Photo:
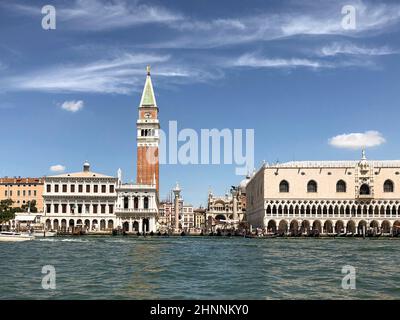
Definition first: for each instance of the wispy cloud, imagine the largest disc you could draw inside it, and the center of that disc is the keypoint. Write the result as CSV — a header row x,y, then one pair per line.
x,y
118,75
97,15
357,140
324,21
338,48
57,168
72,106
255,61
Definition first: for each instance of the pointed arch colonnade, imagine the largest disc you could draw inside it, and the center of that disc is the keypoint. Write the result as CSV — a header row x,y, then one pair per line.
x,y
325,217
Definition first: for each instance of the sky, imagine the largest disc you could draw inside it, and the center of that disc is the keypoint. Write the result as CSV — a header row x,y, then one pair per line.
x,y
310,87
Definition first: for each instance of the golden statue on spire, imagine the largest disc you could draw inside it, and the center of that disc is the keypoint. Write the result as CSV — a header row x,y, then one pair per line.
x,y
148,70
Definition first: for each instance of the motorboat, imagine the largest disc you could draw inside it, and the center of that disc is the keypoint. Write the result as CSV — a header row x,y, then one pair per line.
x,y
15,236
44,233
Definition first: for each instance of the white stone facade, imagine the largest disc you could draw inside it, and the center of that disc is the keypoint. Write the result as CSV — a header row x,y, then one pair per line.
x,y
85,199
326,196
98,203
137,207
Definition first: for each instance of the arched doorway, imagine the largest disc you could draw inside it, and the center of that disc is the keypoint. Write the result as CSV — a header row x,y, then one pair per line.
x,y
351,227
110,225
271,226
135,226
220,217
102,224
362,227
283,227
56,224
71,225
385,227
48,224
95,225
146,225
316,227
374,225
294,227
305,227
87,224
328,226
63,225
125,226
339,226
396,228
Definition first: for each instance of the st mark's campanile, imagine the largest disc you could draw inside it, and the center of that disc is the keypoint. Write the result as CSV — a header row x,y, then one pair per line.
x,y
148,136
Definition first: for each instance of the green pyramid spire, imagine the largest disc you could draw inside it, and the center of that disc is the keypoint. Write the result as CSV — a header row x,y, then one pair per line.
x,y
148,97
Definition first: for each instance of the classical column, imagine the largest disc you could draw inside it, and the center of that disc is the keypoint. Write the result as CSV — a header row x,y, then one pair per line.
x,y
140,224
234,196
177,192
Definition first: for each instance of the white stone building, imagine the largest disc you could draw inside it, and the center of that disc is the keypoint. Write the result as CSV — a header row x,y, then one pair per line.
x,y
136,207
82,199
326,197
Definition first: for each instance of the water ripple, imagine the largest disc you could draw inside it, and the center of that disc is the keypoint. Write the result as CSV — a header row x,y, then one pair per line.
x,y
200,268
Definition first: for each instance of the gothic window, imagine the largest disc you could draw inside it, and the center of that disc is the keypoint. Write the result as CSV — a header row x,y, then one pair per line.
x,y
146,203
126,202
364,189
388,186
341,186
136,202
311,186
284,186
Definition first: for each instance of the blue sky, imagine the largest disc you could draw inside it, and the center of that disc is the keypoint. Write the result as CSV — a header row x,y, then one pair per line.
x,y
287,69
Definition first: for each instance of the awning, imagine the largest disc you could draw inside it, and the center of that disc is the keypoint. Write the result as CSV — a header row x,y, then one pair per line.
x,y
25,218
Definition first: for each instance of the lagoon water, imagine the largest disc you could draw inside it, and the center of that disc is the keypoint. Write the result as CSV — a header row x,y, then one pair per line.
x,y
200,268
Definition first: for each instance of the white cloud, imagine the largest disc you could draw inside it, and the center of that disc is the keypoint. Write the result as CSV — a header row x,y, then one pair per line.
x,y
117,75
72,106
57,168
322,20
120,75
252,60
352,49
97,15
357,140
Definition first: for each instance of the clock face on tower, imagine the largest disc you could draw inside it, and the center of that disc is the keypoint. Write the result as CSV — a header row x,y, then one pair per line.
x,y
147,115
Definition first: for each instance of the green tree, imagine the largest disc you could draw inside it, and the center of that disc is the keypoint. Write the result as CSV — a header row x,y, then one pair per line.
x,y
32,204
7,212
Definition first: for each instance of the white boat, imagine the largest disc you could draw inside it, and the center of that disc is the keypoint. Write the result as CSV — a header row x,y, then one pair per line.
x,y
43,233
15,236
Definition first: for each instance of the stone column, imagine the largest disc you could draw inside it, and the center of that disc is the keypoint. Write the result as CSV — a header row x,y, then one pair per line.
x,y
177,192
140,225
234,195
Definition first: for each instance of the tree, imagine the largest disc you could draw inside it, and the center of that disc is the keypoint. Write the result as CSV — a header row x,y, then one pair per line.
x,y
7,212
32,204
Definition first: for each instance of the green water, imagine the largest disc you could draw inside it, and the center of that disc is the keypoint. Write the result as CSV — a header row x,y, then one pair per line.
x,y
200,268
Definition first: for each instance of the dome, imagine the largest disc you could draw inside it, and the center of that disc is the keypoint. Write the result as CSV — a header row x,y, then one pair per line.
x,y
86,166
243,184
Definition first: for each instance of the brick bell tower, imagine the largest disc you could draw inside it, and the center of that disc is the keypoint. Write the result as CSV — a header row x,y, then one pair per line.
x,y
148,136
